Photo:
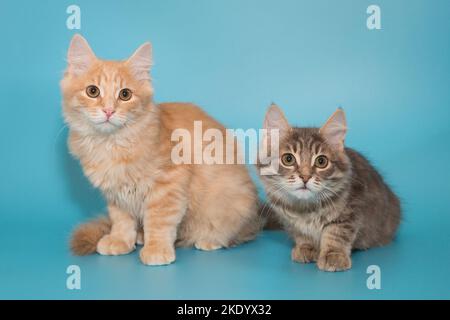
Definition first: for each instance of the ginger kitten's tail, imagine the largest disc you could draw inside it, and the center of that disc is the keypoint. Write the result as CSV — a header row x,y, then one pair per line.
x,y
86,236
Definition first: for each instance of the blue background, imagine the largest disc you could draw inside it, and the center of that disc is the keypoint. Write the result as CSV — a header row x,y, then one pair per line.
x,y
233,58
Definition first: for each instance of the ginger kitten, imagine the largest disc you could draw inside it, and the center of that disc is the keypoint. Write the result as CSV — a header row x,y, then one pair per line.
x,y
328,197
123,141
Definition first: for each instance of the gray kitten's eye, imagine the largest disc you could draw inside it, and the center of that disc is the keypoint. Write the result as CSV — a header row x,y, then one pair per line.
x,y
321,162
288,159
92,91
125,94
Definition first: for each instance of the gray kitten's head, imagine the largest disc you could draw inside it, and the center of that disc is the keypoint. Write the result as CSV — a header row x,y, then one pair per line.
x,y
313,166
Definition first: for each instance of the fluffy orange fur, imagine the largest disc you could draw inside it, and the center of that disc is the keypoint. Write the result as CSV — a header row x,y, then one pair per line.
x,y
150,199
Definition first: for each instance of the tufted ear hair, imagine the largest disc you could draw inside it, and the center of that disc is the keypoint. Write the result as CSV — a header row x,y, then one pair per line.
x,y
141,61
335,129
80,56
275,119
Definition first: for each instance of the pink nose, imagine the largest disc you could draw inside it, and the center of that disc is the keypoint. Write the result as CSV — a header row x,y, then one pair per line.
x,y
108,112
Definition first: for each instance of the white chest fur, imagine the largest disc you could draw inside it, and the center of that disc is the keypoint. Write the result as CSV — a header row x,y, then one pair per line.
x,y
124,177
309,224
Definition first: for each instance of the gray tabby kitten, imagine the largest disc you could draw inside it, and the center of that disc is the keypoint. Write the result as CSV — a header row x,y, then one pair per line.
x,y
328,197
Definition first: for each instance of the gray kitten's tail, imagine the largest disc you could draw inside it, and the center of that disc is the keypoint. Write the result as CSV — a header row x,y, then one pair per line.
x,y
86,236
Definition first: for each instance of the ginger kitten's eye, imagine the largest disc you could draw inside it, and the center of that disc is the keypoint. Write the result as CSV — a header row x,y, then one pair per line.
x,y
288,159
321,162
125,94
92,91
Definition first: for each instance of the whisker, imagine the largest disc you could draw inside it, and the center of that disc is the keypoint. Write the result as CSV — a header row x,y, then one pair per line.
x,y
58,134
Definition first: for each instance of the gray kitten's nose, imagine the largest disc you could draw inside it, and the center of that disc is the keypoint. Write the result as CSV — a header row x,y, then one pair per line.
x,y
305,178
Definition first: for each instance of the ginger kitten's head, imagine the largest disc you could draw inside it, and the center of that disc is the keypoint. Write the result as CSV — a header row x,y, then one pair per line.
x,y
102,97
313,166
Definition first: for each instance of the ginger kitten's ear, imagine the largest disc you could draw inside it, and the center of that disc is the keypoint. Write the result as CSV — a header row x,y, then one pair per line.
x,y
334,130
79,56
141,61
275,119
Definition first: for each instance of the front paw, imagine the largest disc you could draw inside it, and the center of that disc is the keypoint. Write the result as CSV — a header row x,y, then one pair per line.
x,y
304,253
157,255
334,261
112,246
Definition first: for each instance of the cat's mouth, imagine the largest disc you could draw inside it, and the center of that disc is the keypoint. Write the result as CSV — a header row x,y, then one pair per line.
x,y
303,193
106,126
106,123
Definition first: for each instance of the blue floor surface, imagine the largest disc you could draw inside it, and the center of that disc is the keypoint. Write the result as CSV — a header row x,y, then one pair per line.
x,y
34,267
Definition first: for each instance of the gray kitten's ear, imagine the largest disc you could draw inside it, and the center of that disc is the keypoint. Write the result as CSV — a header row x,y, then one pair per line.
x,y
334,130
80,56
275,119
141,61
